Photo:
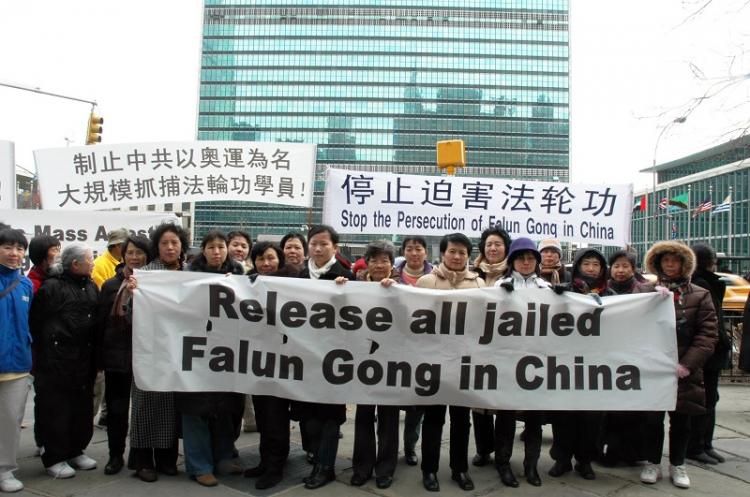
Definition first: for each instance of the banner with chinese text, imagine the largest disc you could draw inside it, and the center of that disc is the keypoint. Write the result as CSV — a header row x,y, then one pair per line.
x,y
122,175
361,343
386,203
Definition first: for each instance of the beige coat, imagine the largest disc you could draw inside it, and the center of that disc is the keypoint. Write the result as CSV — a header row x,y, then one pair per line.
x,y
442,278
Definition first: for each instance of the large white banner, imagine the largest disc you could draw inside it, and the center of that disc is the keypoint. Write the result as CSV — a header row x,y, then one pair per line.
x,y
386,203
88,228
362,343
7,175
121,175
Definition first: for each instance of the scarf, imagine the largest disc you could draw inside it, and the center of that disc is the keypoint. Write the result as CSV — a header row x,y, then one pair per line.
x,y
553,271
121,309
315,271
624,287
412,273
678,286
588,284
491,271
453,277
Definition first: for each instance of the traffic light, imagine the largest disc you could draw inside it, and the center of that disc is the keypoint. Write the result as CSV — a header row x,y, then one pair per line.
x,y
94,133
450,155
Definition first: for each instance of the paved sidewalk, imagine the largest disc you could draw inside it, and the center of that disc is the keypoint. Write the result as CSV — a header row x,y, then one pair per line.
x,y
731,479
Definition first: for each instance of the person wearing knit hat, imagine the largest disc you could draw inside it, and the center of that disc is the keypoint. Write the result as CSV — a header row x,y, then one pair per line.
x,y
551,267
523,266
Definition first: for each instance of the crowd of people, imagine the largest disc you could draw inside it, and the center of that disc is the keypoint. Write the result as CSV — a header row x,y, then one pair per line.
x,y
70,321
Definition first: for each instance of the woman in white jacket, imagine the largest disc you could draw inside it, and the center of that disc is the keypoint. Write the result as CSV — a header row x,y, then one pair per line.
x,y
523,263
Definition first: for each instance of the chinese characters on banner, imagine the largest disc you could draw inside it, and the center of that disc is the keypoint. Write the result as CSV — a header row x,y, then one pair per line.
x,y
121,175
382,203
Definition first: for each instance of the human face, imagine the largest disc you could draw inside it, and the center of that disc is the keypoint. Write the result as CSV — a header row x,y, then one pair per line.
x,y
455,256
321,248
267,262
550,257
53,255
494,249
671,266
170,247
215,252
591,267
134,257
415,255
294,252
524,263
379,267
621,270
11,255
238,248
85,266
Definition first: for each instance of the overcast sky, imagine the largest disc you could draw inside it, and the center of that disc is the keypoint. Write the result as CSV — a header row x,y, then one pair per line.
x,y
633,71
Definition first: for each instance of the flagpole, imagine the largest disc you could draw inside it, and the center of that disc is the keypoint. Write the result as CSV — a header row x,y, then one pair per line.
x,y
667,218
729,249
710,213
690,187
645,227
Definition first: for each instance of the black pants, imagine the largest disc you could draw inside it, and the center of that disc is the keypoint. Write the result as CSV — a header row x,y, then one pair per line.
x,y
702,425
366,457
575,434
272,419
484,429
117,397
65,421
505,432
412,427
679,436
152,458
432,434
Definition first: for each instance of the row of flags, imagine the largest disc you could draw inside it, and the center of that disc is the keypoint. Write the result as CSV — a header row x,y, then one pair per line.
x,y
680,203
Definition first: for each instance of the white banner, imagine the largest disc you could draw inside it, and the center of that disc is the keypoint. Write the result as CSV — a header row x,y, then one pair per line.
x,y
386,203
89,228
362,343
7,175
122,175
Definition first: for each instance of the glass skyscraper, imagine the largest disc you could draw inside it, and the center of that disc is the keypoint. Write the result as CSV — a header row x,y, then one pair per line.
x,y
376,83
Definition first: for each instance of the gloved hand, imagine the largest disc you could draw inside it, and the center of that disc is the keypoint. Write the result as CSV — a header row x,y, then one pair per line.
x,y
508,285
662,290
559,289
253,277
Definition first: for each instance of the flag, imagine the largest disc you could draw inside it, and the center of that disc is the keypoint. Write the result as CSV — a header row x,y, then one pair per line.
x,y
704,206
680,202
640,205
724,206
663,203
674,231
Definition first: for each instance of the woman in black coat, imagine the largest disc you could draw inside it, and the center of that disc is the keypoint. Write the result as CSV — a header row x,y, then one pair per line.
x,y
208,427
115,346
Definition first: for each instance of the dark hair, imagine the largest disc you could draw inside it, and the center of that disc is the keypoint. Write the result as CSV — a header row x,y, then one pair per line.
x,y
458,238
39,246
261,247
213,235
142,243
705,256
236,234
294,234
414,239
494,230
630,256
4,226
159,232
380,247
13,236
323,228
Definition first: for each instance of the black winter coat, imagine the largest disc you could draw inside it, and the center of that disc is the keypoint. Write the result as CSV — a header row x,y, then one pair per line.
x,y
211,404
63,324
711,282
115,335
311,410
744,359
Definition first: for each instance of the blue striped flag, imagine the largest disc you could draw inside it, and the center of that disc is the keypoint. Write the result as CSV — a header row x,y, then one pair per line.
x,y
724,206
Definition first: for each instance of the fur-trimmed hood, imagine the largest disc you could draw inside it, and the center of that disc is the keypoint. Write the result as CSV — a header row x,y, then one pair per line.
x,y
659,249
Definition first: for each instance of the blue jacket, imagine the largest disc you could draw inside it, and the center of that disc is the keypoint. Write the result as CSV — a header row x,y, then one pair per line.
x,y
15,338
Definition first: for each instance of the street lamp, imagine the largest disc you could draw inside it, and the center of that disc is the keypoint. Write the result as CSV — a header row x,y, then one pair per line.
x,y
678,120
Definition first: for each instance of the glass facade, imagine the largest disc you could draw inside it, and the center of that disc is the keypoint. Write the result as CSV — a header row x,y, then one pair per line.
x,y
711,174
375,84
